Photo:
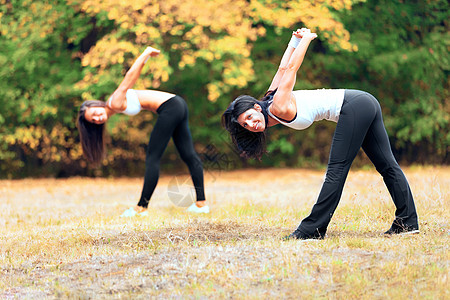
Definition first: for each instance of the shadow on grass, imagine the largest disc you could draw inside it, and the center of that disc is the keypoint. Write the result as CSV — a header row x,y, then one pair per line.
x,y
347,234
193,233
202,232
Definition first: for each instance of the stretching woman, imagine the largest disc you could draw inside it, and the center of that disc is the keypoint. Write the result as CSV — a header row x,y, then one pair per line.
x,y
172,122
359,124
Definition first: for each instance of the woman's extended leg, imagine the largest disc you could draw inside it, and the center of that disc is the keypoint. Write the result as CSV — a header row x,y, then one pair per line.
x,y
377,147
185,146
169,116
357,114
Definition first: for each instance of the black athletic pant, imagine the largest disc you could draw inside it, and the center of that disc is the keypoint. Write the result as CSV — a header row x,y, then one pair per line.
x,y
360,125
172,122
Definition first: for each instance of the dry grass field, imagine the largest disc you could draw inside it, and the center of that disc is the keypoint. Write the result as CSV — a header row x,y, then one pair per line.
x,y
65,239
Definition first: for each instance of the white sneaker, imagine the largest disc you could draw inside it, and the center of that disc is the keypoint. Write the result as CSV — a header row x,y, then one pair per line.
x,y
143,213
194,208
129,213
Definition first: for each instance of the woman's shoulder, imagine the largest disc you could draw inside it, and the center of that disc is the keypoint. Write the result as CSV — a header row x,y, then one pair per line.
x,y
117,101
111,104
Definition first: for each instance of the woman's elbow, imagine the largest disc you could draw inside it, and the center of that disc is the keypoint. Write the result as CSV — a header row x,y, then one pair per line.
x,y
292,67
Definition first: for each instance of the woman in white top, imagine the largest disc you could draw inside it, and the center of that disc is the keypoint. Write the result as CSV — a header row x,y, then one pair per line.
x,y
172,122
359,124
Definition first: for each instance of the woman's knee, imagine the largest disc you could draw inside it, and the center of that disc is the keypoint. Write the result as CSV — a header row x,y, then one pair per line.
x,y
387,167
334,173
191,158
152,159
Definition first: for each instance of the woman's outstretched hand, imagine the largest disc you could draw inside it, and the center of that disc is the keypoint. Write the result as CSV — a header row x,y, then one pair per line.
x,y
152,51
305,33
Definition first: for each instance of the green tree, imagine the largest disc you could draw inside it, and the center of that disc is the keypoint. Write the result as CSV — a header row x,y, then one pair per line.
x,y
404,60
55,54
207,51
39,42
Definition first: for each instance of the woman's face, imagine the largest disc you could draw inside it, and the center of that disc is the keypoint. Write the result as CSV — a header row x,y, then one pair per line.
x,y
96,115
253,119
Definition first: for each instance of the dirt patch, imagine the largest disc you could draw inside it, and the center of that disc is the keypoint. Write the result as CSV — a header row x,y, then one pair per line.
x,y
57,243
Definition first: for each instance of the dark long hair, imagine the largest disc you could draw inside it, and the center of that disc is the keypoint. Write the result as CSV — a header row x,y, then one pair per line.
x,y
92,136
249,144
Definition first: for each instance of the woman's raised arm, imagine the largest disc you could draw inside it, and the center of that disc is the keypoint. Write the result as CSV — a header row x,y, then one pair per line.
x,y
293,43
118,100
283,105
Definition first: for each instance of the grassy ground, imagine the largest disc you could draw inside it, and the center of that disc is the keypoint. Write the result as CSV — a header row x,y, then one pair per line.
x,y
64,239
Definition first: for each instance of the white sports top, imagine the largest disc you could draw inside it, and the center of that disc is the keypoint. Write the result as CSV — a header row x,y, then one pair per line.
x,y
315,105
133,104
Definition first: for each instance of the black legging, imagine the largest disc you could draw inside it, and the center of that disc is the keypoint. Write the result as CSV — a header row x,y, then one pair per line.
x,y
360,125
172,122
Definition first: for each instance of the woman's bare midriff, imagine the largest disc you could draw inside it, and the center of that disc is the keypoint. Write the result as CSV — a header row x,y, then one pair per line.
x,y
152,100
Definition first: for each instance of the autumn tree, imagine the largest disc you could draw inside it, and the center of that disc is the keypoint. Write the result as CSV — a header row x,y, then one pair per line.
x,y
38,71
56,54
206,45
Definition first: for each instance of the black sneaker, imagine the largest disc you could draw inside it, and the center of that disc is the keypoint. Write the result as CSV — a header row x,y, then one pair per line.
x,y
402,229
298,235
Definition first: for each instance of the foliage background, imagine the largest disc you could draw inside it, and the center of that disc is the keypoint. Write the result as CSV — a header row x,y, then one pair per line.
x,y
55,54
